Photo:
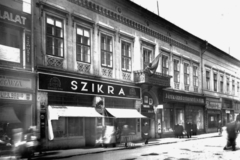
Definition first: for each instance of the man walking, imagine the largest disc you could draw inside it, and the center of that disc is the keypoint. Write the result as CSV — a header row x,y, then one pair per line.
x,y
145,132
232,129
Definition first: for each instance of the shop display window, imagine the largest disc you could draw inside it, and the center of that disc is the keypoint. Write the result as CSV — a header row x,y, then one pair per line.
x,y
168,122
127,126
212,121
67,127
180,117
195,116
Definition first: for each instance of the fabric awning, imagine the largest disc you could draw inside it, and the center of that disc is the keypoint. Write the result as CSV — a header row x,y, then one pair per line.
x,y
7,115
124,113
55,112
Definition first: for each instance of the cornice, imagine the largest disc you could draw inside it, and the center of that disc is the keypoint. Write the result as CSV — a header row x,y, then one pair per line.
x,y
130,23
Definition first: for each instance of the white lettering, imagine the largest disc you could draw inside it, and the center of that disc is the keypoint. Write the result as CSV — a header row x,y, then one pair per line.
x,y
100,88
23,20
74,84
6,16
121,92
18,19
84,86
110,89
13,18
93,87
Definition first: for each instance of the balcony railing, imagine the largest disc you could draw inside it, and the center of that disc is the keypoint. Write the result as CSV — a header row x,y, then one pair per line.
x,y
145,77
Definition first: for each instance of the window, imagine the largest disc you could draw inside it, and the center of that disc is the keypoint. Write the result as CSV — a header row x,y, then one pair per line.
x,y
208,80
10,44
233,86
147,57
126,56
215,81
176,70
237,86
228,85
83,45
195,76
67,127
164,64
106,50
168,123
54,42
186,73
221,83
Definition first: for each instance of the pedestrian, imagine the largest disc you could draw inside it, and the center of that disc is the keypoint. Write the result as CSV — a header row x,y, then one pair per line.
x,y
145,132
189,129
220,127
232,128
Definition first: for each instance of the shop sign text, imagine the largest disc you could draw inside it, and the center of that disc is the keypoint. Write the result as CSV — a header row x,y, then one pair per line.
x,y
15,96
213,105
6,81
84,86
183,98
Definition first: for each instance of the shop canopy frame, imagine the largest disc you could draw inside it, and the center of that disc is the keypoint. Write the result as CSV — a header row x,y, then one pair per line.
x,y
122,113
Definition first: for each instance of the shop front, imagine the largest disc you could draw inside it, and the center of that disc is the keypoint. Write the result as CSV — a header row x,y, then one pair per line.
x,y
227,111
236,105
16,103
179,109
213,114
78,111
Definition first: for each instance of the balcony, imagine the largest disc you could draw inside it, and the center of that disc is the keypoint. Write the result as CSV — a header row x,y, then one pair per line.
x,y
158,79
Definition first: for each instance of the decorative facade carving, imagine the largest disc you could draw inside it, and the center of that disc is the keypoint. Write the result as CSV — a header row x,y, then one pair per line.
x,y
54,62
107,72
176,85
126,76
84,68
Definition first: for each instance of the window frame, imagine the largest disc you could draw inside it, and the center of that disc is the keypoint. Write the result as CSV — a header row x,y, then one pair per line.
x,y
208,79
195,76
165,68
221,81
103,34
150,56
55,17
215,79
123,41
233,86
228,84
90,42
186,73
176,80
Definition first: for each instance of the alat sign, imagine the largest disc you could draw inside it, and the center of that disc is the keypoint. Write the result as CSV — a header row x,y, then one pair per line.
x,y
15,17
57,83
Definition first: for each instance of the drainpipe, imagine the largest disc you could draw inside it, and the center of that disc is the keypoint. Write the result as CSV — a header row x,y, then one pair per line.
x,y
203,50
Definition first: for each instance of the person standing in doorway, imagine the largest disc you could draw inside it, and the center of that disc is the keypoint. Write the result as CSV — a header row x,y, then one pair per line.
x,y
145,132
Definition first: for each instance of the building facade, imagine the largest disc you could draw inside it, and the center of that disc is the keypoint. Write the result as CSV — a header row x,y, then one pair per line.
x,y
17,77
100,63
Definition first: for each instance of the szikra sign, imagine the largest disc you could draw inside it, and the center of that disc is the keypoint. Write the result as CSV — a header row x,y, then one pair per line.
x,y
65,84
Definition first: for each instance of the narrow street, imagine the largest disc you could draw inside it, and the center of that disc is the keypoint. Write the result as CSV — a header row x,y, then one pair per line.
x,y
203,149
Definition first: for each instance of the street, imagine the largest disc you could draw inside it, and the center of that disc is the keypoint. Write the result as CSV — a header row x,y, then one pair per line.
x,y
203,149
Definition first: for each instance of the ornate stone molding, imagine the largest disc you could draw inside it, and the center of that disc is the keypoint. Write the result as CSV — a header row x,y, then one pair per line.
x,y
128,22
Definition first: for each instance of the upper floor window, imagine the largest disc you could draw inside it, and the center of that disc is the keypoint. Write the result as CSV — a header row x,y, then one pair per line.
x,y
208,79
233,86
126,56
83,52
195,76
186,73
228,89
237,86
106,50
147,57
10,44
176,67
215,81
221,83
54,35
165,64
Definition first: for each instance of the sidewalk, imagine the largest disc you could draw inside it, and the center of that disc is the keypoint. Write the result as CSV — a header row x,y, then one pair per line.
x,y
58,154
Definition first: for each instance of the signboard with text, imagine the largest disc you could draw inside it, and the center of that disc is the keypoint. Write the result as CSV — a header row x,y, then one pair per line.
x,y
58,83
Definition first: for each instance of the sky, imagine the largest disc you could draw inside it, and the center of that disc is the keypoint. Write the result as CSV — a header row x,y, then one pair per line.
x,y
216,21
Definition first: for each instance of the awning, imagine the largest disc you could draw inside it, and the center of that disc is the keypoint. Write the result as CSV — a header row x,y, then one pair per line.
x,y
7,115
124,113
55,112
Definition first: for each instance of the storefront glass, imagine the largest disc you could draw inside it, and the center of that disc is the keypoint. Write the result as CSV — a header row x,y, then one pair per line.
x,y
168,122
67,127
195,115
212,120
